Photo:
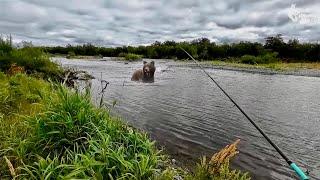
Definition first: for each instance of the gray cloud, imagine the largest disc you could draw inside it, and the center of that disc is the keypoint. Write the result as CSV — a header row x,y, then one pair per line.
x,y
136,22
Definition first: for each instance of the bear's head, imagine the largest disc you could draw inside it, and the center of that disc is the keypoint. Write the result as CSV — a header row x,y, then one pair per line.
x,y
148,70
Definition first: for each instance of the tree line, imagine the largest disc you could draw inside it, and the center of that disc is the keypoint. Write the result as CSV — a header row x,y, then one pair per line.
x,y
203,49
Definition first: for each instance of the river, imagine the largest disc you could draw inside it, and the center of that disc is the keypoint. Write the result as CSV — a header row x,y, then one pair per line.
x,y
188,115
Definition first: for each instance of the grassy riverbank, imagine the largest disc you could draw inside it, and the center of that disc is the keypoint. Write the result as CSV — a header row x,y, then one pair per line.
x,y
278,66
295,69
275,65
50,131
82,57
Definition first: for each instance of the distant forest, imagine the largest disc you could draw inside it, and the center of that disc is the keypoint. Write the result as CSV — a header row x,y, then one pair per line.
x,y
203,49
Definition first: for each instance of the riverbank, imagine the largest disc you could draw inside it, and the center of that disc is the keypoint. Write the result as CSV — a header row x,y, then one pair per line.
x,y
50,131
125,57
296,69
311,69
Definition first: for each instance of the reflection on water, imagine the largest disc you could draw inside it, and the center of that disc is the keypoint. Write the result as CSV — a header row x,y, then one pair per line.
x,y
190,116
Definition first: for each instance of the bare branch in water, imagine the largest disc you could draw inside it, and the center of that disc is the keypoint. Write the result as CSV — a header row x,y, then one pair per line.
x,y
104,85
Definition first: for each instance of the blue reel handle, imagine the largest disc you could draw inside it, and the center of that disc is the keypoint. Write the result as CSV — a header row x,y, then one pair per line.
x,y
299,171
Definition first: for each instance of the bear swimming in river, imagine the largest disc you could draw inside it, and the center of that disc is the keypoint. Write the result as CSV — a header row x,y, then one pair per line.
x,y
146,74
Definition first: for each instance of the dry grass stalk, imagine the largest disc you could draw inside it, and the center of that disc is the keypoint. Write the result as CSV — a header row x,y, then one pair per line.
x,y
15,69
11,168
223,156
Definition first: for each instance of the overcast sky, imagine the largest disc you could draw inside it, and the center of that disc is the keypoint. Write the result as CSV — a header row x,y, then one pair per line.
x,y
136,22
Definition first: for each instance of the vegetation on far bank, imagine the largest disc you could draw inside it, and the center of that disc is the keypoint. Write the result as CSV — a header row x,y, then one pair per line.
x,y
72,55
131,56
49,131
202,49
276,65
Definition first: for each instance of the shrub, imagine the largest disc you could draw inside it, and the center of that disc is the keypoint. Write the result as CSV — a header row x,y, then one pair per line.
x,y
70,55
122,54
32,59
5,46
133,57
262,59
248,59
268,58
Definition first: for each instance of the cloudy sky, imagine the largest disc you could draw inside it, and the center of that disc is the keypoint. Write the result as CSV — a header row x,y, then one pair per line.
x,y
136,22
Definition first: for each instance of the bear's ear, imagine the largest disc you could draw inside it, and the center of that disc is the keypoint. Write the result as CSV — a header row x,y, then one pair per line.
x,y
144,62
152,62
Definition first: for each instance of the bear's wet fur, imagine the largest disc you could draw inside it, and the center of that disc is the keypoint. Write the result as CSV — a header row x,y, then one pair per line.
x,y
146,74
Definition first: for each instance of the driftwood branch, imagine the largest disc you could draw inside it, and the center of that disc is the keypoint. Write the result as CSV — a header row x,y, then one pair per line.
x,y
66,78
104,85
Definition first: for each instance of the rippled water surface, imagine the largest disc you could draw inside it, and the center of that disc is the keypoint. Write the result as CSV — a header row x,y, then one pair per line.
x,y
190,116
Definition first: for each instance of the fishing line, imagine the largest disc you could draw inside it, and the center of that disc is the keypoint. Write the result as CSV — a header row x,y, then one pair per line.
x,y
299,172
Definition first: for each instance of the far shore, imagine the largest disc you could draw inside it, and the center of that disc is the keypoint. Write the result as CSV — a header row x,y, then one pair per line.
x,y
296,69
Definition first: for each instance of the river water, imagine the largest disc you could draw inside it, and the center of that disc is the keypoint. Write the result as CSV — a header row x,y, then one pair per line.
x,y
188,115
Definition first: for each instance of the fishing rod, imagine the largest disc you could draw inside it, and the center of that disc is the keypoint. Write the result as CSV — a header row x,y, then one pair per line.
x,y
298,171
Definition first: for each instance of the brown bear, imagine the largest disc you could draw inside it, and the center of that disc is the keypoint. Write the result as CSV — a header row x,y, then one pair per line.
x,y
146,74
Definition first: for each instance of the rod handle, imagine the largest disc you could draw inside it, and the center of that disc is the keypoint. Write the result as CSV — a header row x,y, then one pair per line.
x,y
299,171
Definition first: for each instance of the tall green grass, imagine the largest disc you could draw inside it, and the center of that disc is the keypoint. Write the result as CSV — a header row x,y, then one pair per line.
x,y
68,137
20,96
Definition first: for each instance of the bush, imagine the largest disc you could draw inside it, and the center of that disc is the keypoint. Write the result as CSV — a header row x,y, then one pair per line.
x,y
122,54
70,55
5,46
262,59
32,59
248,59
133,57
268,58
